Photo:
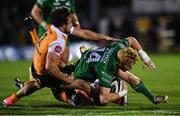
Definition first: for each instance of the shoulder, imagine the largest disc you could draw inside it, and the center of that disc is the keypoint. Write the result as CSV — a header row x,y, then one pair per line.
x,y
41,3
123,42
57,47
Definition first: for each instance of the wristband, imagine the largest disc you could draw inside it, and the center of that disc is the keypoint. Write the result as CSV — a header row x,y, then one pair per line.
x,y
43,23
144,55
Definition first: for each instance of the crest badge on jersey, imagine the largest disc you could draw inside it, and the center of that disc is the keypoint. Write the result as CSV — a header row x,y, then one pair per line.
x,y
58,49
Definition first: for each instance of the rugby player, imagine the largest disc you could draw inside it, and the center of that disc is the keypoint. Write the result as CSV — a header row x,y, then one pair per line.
x,y
114,60
43,8
52,45
75,97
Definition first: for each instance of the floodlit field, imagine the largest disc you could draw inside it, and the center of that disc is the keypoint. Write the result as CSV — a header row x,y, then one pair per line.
x,y
164,80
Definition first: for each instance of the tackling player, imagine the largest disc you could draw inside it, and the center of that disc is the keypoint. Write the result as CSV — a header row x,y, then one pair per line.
x,y
41,13
45,66
113,60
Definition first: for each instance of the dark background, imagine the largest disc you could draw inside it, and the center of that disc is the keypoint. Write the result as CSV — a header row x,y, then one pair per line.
x,y
155,23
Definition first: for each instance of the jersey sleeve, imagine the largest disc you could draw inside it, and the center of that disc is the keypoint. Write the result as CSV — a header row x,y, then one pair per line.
x,y
56,47
124,42
41,3
72,9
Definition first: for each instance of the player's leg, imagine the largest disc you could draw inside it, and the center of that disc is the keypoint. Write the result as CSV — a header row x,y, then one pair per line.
x,y
19,83
67,69
105,83
138,85
28,88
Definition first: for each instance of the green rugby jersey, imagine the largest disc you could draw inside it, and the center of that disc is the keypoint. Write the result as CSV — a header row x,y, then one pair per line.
x,y
100,64
106,58
101,59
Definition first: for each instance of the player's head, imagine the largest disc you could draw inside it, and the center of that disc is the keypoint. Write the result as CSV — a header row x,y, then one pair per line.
x,y
61,17
127,58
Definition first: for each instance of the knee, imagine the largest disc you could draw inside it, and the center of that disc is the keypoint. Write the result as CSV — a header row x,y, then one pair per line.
x,y
30,87
36,84
131,38
134,81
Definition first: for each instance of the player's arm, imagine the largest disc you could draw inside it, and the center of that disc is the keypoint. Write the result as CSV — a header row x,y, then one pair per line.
x,y
53,59
36,14
52,68
128,77
90,35
75,20
105,96
144,56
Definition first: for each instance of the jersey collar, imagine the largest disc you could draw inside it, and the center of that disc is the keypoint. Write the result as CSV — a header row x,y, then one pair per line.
x,y
59,33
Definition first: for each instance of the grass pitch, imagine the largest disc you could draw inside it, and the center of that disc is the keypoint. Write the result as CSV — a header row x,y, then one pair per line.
x,y
164,80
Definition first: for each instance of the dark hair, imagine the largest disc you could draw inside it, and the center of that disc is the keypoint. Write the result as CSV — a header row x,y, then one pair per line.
x,y
59,16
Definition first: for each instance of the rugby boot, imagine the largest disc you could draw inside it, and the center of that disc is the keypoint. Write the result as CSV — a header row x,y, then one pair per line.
x,y
160,99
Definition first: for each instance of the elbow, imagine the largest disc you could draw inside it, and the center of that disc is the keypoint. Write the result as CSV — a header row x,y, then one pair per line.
x,y
103,100
32,12
131,38
48,67
134,43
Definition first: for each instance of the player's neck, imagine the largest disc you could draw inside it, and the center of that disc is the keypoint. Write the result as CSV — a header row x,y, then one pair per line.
x,y
62,29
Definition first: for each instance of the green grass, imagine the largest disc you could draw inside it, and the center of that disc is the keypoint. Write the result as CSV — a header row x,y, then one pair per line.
x,y
164,80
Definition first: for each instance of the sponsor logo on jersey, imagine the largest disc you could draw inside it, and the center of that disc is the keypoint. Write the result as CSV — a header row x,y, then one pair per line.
x,y
58,49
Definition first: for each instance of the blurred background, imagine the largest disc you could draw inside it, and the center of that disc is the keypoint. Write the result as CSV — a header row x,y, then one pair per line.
x,y
155,24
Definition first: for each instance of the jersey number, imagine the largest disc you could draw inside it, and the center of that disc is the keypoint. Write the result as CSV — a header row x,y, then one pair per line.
x,y
94,57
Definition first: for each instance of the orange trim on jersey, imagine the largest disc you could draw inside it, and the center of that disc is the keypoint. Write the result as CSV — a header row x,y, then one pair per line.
x,y
40,60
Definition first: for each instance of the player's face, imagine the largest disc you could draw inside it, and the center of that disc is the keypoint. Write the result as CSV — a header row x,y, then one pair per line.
x,y
68,25
127,65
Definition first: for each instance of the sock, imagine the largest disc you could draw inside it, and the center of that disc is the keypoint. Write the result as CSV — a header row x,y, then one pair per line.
x,y
13,97
142,89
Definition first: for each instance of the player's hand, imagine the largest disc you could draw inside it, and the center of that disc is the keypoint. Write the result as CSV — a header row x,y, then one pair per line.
x,y
150,64
69,79
112,39
82,49
46,27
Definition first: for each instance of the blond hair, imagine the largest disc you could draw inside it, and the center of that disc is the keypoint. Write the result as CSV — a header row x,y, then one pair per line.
x,y
127,55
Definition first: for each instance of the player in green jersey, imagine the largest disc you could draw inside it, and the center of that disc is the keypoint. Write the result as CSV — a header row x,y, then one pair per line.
x,y
43,8
114,60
